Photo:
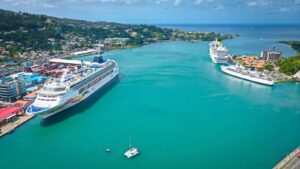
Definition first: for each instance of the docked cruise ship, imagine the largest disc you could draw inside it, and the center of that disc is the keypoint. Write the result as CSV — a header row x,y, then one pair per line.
x,y
243,73
73,86
218,53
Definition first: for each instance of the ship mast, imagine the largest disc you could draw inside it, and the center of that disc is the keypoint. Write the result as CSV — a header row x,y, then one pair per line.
x,y
130,142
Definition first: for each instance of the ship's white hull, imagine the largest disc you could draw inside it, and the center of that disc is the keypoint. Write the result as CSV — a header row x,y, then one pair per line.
x,y
65,105
246,77
218,59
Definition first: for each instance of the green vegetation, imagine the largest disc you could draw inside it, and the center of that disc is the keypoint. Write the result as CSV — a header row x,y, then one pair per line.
x,y
269,67
24,32
294,44
290,65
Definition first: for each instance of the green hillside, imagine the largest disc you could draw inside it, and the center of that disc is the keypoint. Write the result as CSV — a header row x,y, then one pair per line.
x,y
23,32
290,65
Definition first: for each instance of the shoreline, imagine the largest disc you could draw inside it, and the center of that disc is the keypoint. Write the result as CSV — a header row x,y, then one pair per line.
x,y
287,160
11,126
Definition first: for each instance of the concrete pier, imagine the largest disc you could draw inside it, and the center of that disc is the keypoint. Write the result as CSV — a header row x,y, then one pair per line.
x,y
291,161
11,126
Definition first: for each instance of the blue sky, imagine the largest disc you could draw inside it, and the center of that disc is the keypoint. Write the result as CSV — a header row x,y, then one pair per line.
x,y
165,11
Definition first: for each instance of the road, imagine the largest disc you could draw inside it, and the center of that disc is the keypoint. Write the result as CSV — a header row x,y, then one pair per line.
x,y
294,164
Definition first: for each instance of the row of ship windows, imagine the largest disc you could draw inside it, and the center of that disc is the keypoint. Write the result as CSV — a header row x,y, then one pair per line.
x,y
46,99
58,89
47,96
83,83
94,82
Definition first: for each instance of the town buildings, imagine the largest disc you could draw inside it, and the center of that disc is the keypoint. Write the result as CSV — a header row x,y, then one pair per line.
x,y
11,89
270,55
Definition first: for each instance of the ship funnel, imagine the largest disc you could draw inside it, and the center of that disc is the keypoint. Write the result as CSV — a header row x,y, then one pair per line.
x,y
98,59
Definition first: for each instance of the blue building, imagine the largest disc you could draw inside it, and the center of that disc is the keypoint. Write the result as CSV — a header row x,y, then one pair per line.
x,y
31,79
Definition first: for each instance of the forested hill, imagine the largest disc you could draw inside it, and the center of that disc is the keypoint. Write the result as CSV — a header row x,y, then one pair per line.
x,y
290,65
25,32
33,31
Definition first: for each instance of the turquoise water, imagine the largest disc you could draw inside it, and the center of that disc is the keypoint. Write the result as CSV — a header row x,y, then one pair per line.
x,y
179,108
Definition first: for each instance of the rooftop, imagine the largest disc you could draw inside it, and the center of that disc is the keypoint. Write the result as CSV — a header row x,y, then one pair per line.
x,y
8,111
31,95
65,61
22,103
84,52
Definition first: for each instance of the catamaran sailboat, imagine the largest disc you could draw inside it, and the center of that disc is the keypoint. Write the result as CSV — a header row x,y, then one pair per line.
x,y
133,151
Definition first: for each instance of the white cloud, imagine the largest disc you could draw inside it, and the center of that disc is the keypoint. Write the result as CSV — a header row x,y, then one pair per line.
x,y
177,2
198,2
260,2
33,3
219,7
275,5
284,9
251,3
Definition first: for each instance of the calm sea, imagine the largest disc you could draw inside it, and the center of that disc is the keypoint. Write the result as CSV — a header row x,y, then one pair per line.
x,y
179,108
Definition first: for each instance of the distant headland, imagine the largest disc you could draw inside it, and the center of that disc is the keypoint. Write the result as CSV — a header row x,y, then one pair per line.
x,y
21,33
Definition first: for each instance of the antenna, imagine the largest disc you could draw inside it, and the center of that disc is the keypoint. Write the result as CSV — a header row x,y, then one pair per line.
x,y
99,48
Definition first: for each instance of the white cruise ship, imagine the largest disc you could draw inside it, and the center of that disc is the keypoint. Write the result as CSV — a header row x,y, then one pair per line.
x,y
75,85
218,53
243,73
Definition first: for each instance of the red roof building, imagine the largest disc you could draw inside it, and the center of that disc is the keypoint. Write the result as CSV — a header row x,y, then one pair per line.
x,y
9,111
30,96
22,103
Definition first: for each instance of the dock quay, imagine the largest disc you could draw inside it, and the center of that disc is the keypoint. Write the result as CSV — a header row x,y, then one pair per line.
x,y
11,126
291,161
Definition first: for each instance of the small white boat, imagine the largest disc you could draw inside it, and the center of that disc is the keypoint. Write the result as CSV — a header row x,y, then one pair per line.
x,y
133,151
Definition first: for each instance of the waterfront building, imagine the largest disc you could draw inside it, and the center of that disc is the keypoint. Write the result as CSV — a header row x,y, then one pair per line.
x,y
30,96
31,79
116,41
11,89
270,55
23,104
84,53
251,61
8,114
32,89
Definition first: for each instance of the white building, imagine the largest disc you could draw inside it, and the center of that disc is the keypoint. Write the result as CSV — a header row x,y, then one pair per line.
x,y
270,55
